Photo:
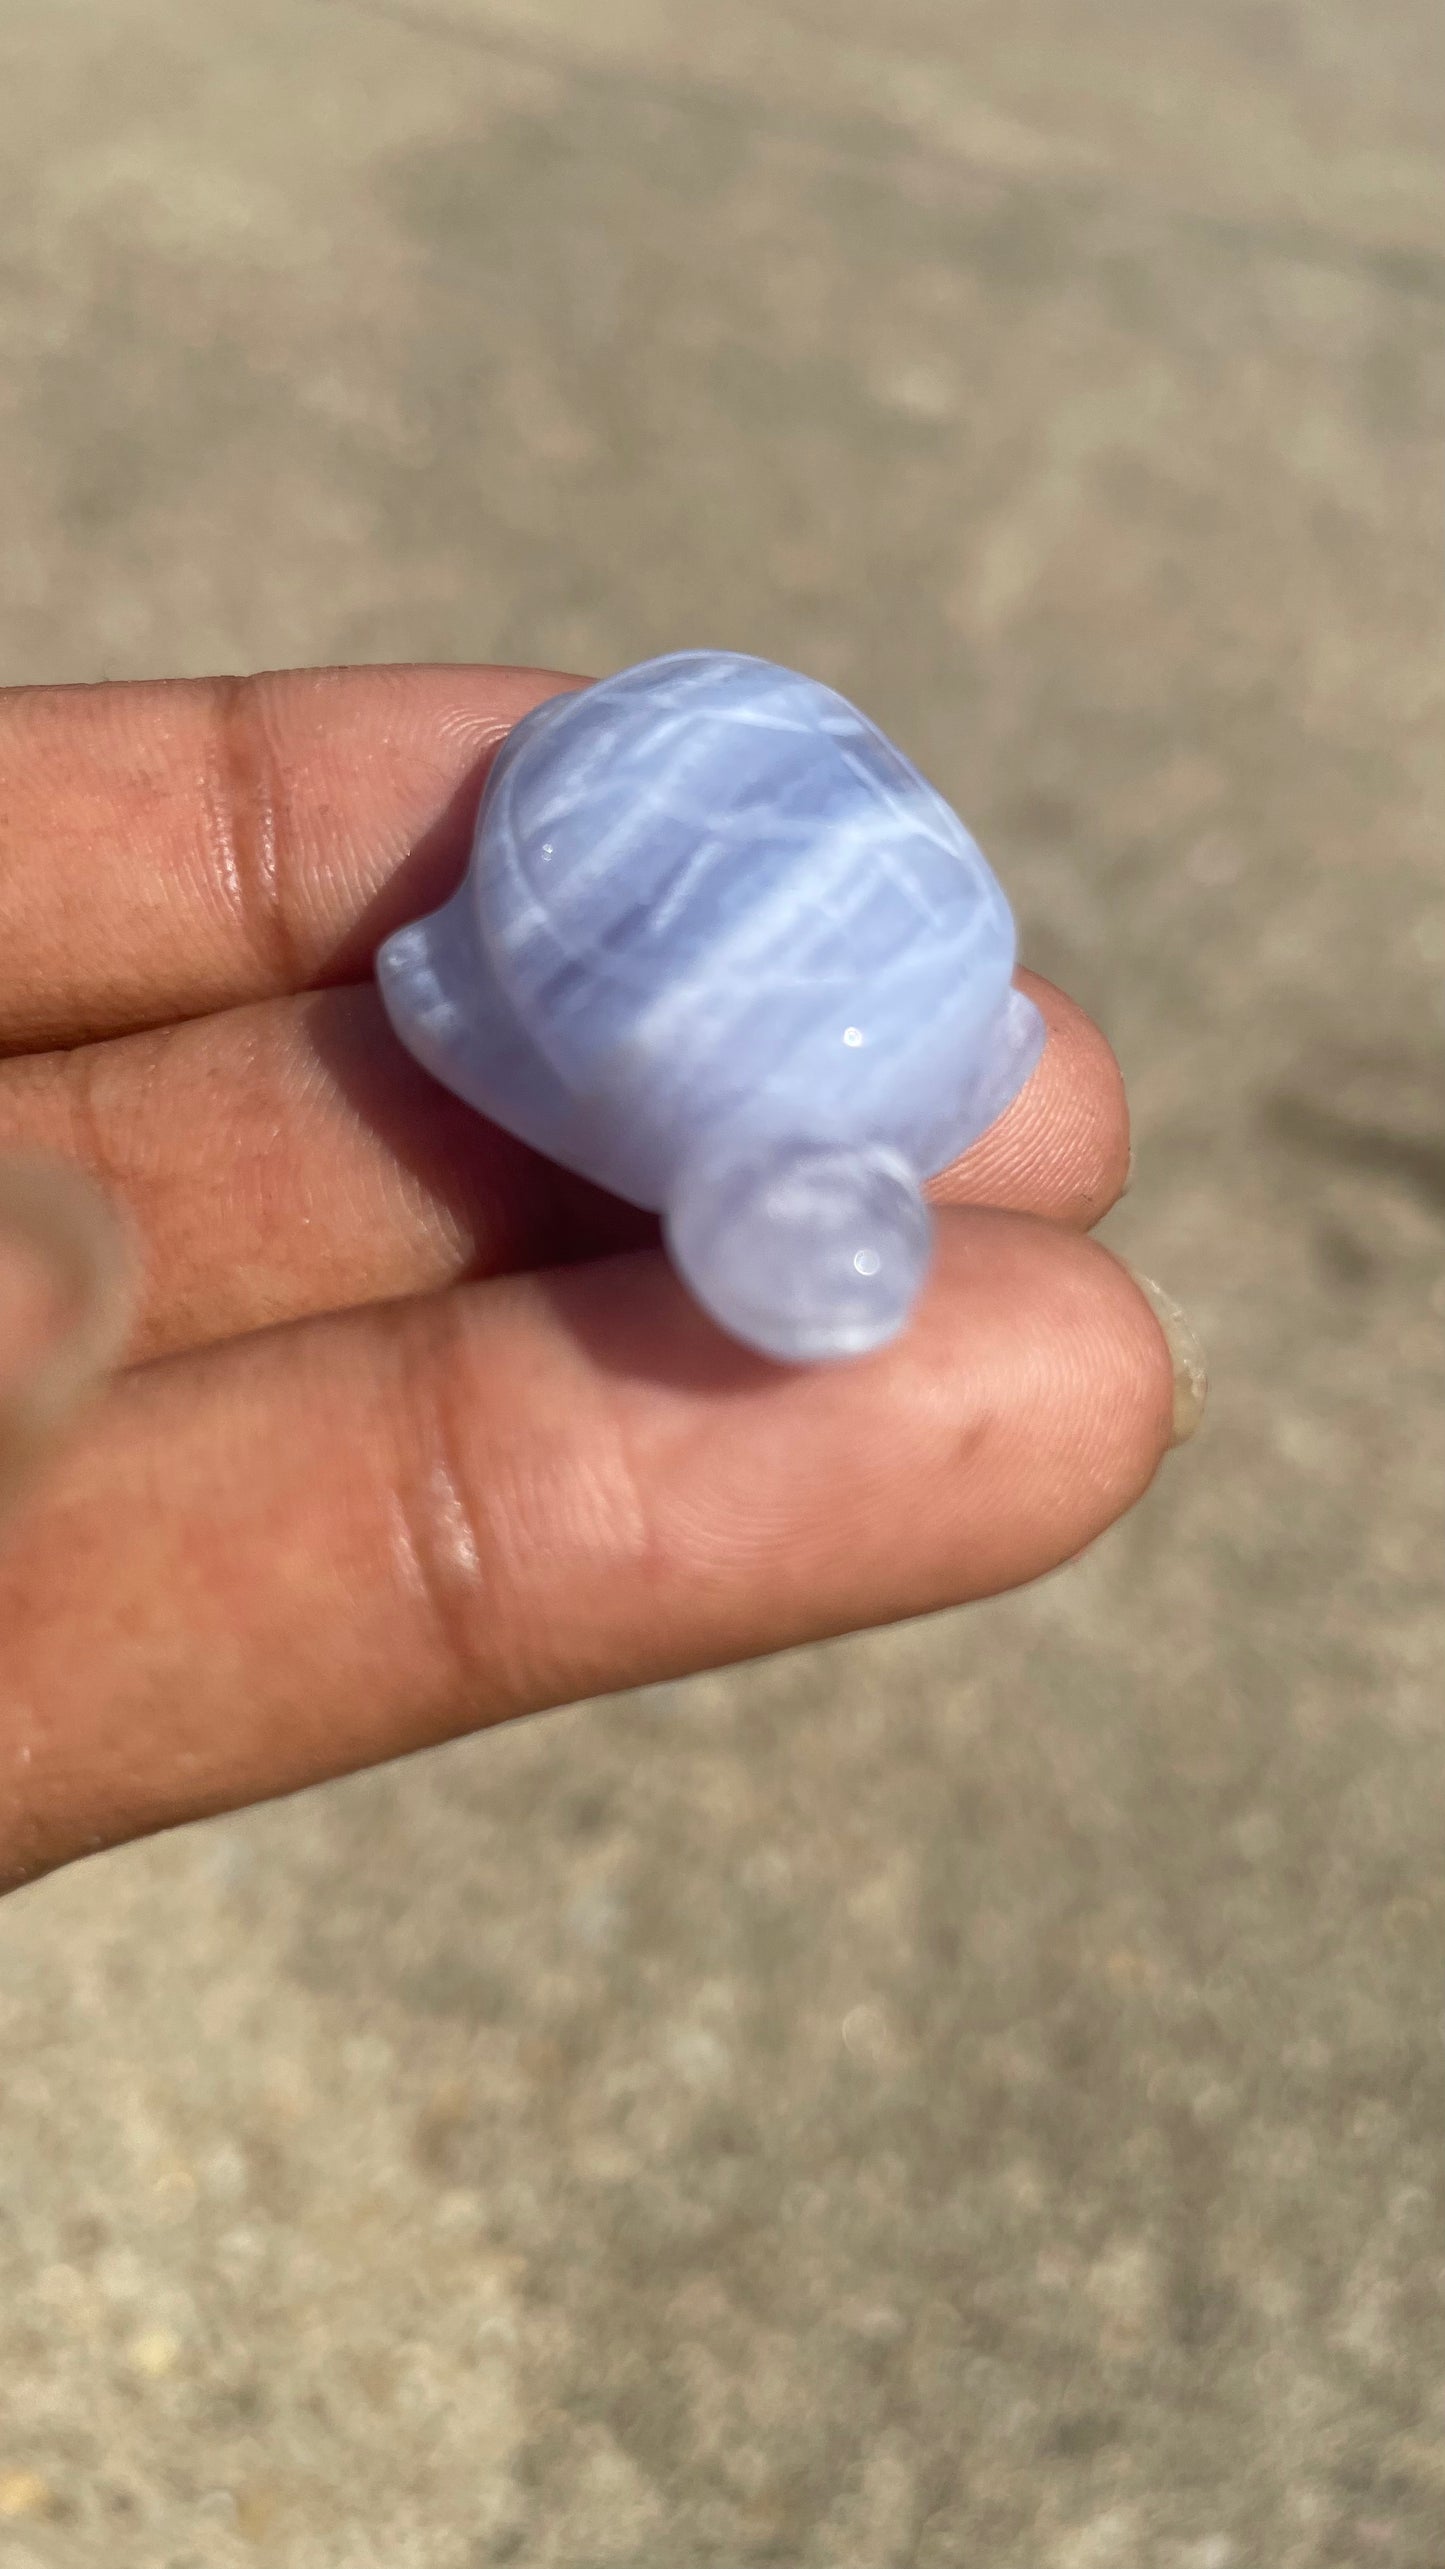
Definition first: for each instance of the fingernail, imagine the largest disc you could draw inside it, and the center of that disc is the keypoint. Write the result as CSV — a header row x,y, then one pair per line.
x,y
1129,1167
65,1303
1186,1354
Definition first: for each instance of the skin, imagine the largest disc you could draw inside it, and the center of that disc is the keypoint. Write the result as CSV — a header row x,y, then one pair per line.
x,y
416,1433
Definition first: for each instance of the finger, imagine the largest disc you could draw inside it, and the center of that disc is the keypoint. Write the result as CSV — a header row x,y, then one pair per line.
x,y
65,1296
1062,1148
173,848
325,1546
290,1158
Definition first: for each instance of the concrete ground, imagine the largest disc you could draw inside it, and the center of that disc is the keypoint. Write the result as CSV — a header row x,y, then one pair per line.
x,y
972,2098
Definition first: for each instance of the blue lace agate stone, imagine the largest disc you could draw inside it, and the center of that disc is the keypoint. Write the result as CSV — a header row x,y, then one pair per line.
x,y
722,949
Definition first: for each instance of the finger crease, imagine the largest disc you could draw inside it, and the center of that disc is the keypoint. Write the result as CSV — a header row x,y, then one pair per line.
x,y
92,1139
437,1528
243,812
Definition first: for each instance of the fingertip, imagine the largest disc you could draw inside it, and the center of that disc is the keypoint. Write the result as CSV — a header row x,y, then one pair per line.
x,y
1086,1395
1061,1151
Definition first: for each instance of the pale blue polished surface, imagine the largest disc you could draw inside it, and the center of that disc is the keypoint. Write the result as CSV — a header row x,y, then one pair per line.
x,y
721,948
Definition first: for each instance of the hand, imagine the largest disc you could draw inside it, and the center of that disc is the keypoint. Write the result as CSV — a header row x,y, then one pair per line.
x,y
418,1432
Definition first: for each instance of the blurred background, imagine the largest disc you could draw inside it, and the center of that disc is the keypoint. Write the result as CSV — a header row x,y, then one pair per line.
x,y
974,2097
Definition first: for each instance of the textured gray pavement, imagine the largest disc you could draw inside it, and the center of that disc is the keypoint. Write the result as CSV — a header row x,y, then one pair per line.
x,y
974,2097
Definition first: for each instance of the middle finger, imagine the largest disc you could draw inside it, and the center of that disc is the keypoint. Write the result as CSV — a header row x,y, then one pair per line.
x,y
290,1158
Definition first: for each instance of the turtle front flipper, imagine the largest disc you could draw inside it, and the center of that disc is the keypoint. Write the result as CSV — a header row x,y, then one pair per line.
x,y
450,1010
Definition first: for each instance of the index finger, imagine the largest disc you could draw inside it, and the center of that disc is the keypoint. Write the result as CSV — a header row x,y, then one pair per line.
x,y
171,848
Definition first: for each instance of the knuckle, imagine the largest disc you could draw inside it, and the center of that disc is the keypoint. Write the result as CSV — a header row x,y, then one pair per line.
x,y
524,1523
245,823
